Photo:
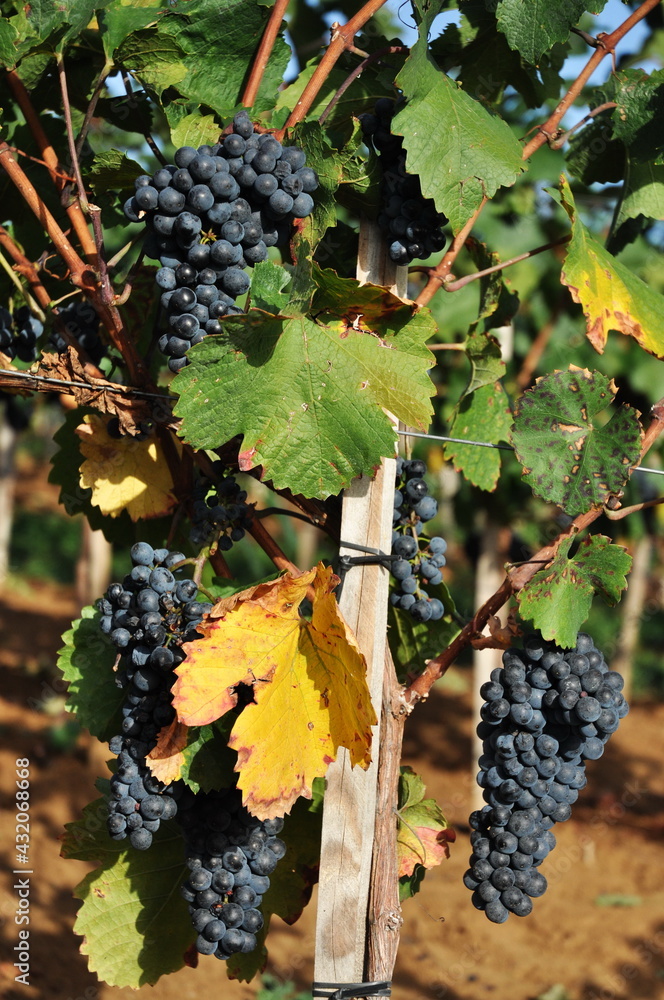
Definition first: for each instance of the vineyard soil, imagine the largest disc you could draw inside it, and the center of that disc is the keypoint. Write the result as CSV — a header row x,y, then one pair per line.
x,y
613,846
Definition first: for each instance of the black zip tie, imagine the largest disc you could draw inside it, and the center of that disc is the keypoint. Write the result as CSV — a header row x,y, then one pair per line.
x,y
342,991
376,557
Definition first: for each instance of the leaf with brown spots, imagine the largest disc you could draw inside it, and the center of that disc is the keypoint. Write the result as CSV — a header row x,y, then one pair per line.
x,y
423,836
557,599
612,296
570,455
309,686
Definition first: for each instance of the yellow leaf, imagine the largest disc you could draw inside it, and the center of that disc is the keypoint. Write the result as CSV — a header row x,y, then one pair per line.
x,y
166,759
124,473
309,686
612,296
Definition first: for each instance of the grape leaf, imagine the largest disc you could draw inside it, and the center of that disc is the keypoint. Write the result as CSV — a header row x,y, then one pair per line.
x,y
309,685
474,152
195,130
612,296
202,29
155,58
113,169
533,26
569,458
124,473
557,599
8,39
134,923
423,835
642,195
637,120
482,415
309,394
120,19
86,661
200,757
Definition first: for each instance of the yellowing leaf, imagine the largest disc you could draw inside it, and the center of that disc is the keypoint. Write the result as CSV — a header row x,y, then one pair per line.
x,y
612,296
124,473
423,835
309,686
166,759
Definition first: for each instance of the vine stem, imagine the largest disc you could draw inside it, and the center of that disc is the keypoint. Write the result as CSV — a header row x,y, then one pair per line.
x,y
264,52
545,133
358,72
342,39
516,578
455,284
66,107
260,534
52,163
35,309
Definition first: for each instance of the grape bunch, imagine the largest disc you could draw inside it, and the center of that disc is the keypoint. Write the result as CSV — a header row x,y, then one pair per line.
x,y
418,556
210,216
82,323
147,617
19,333
230,855
219,509
547,711
410,221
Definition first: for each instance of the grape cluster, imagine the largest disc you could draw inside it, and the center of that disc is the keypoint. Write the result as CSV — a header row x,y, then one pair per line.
x,y
410,221
82,323
547,712
219,509
418,556
147,617
19,333
230,855
212,214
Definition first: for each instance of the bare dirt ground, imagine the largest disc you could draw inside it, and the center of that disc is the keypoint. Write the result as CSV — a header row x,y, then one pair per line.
x,y
613,845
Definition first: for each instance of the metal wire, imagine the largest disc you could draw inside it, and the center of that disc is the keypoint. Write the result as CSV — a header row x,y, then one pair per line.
x,y
500,447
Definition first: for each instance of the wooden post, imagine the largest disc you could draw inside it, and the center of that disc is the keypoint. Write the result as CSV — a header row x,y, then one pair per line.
x,y
350,797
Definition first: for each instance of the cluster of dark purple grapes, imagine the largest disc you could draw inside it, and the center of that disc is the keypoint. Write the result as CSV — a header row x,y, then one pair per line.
x,y
230,855
219,509
211,215
547,712
82,323
147,617
19,333
411,222
418,556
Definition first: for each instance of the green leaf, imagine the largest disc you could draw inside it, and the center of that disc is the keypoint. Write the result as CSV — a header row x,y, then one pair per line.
x,y
570,458
594,156
113,169
533,26
642,197
8,39
208,760
269,287
134,923
155,57
475,152
86,662
498,304
218,40
413,643
482,415
637,120
121,19
308,395
196,130
612,296
558,599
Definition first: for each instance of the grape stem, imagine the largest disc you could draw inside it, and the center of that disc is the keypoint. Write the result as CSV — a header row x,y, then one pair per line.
x,y
262,58
52,163
356,73
516,578
75,165
546,133
341,40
